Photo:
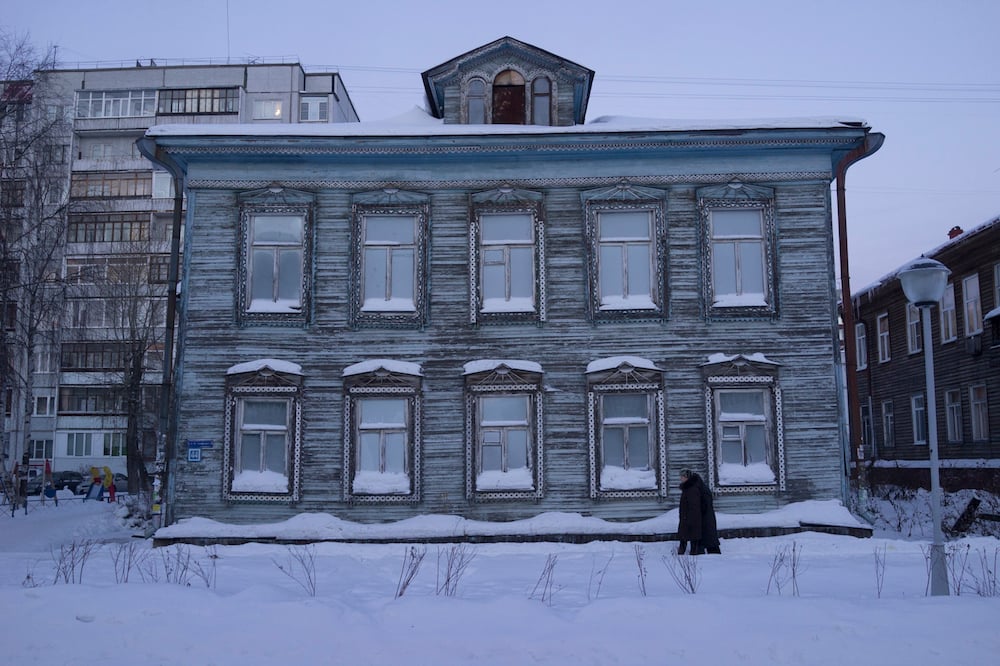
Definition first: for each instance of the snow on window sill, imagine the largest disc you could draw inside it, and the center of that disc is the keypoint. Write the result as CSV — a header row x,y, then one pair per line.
x,y
732,474
286,306
515,479
391,305
618,478
381,483
260,482
739,301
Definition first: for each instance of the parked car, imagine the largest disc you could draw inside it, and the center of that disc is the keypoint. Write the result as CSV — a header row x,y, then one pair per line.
x,y
119,479
67,479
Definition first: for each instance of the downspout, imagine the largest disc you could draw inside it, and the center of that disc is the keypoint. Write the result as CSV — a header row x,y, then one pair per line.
x,y
871,143
163,484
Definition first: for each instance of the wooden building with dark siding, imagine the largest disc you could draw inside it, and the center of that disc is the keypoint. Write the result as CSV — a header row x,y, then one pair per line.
x,y
497,319
965,328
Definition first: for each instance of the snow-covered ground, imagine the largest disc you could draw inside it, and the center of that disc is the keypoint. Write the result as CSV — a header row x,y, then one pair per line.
x,y
801,599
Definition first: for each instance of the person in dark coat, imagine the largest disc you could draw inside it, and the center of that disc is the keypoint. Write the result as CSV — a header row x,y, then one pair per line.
x,y
689,527
709,530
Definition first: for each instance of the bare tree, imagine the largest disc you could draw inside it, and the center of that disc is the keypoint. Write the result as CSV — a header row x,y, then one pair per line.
x,y
34,152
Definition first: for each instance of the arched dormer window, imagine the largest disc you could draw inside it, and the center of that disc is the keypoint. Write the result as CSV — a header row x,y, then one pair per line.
x,y
476,102
541,101
508,98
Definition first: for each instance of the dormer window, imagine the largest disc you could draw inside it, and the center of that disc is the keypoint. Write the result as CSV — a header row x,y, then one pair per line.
x,y
541,101
476,100
508,98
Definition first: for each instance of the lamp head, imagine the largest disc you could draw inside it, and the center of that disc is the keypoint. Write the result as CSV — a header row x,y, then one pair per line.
x,y
923,281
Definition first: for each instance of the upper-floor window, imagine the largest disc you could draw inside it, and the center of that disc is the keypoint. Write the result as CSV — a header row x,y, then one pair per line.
x,y
382,443
199,101
475,102
918,414
888,425
89,400
114,444
389,263
949,325
861,346
504,443
108,228
263,431
913,331
12,193
314,108
115,103
541,101
508,98
267,109
739,250
45,405
973,311
105,184
883,338
506,257
953,415
979,413
40,448
79,444
276,257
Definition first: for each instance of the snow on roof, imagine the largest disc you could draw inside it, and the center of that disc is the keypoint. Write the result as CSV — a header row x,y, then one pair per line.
x,y
756,357
615,361
416,121
400,367
286,367
472,367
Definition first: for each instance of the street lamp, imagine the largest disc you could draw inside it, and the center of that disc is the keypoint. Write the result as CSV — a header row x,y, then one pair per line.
x,y
923,282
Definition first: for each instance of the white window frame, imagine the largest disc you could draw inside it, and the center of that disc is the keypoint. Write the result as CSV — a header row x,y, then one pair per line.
x,y
888,425
79,444
918,418
746,280
365,384
973,305
884,349
114,444
979,415
727,430
163,185
116,103
314,108
953,415
949,322
914,337
45,405
861,346
268,109
44,447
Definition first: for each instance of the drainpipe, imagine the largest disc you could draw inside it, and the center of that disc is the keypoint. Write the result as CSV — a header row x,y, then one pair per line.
x,y
871,143
164,482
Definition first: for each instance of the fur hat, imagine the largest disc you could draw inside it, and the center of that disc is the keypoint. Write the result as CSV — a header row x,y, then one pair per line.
x,y
686,473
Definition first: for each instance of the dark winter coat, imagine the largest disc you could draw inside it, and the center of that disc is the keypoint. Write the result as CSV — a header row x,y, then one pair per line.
x,y
689,527
709,531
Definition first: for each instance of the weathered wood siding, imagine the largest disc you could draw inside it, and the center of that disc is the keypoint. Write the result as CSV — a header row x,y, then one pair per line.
x,y
801,337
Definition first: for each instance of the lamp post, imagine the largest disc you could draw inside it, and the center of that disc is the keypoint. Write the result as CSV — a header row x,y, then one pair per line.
x,y
924,281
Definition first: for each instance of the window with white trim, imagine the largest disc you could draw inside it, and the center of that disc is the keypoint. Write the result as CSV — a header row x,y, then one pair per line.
x,y
973,311
503,440
389,261
541,101
475,102
79,444
114,444
45,405
861,346
884,353
382,426
979,413
276,257
949,322
314,108
914,342
262,432
953,415
744,424
40,448
918,418
267,109
115,103
888,425
627,430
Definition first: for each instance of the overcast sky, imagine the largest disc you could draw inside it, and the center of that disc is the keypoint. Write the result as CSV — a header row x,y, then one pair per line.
x,y
923,72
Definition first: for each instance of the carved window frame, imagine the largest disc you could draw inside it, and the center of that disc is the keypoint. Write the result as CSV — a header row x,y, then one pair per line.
x,y
274,201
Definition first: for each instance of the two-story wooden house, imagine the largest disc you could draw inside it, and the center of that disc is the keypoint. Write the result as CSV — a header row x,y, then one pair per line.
x,y
494,310
965,328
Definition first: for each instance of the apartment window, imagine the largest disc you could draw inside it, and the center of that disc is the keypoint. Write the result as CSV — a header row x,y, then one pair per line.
x,y
390,249
953,415
163,185
115,184
979,413
192,101
40,448
8,316
267,109
12,193
114,444
476,102
101,151
888,425
46,361
918,416
45,405
79,444
93,356
108,228
382,426
883,338
504,413
949,325
973,305
861,346
913,332
541,101
314,109
276,263
115,103
261,458
89,400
